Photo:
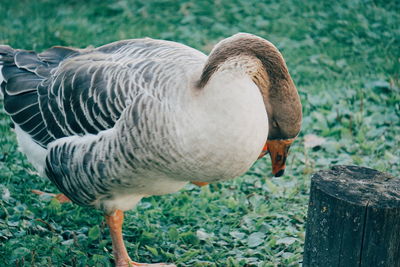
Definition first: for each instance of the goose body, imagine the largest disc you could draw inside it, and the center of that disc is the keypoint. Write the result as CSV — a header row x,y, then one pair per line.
x,y
142,117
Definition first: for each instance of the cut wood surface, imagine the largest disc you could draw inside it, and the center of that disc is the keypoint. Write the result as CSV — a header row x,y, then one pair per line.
x,y
353,219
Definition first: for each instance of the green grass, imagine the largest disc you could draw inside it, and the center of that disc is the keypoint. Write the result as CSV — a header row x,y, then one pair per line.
x,y
343,56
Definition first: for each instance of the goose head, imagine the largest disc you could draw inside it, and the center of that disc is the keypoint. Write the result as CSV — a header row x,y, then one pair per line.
x,y
263,62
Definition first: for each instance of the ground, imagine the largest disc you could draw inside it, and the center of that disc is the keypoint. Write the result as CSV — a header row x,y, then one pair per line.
x,y
344,57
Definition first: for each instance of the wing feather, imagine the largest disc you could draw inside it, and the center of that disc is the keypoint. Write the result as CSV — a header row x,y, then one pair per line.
x,y
65,91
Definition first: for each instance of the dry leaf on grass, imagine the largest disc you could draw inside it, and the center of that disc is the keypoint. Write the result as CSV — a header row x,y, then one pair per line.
x,y
311,140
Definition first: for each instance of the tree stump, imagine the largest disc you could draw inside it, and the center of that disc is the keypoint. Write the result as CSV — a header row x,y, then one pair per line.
x,y
353,219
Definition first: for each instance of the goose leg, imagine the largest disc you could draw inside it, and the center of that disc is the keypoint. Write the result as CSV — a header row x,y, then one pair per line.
x,y
121,256
199,183
60,197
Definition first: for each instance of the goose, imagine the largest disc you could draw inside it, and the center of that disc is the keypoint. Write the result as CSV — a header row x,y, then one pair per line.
x,y
141,117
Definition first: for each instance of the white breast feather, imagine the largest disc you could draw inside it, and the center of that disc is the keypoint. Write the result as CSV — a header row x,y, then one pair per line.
x,y
35,153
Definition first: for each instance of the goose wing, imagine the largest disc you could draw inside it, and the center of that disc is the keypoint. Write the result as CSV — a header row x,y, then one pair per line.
x,y
65,91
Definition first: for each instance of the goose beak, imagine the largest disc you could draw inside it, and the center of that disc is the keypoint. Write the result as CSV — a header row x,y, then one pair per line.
x,y
264,151
278,151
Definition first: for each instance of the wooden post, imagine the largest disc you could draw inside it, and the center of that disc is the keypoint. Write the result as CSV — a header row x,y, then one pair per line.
x,y
353,219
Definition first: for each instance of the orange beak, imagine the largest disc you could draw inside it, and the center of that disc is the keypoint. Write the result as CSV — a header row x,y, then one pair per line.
x,y
278,151
264,151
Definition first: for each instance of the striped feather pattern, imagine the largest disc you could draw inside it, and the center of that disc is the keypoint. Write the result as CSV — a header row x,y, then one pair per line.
x,y
20,90
64,92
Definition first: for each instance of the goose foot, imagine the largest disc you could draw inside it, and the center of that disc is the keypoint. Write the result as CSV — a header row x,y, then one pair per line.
x,y
60,197
121,256
134,264
199,183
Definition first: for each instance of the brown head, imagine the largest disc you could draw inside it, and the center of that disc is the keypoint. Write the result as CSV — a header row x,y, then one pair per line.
x,y
272,77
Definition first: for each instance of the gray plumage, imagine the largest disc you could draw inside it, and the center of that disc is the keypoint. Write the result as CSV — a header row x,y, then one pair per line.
x,y
66,91
70,92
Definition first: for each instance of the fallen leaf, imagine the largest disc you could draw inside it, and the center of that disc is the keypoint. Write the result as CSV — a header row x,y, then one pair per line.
x,y
255,239
286,240
311,140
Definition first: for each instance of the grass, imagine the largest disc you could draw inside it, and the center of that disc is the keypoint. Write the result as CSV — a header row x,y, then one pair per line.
x,y
344,57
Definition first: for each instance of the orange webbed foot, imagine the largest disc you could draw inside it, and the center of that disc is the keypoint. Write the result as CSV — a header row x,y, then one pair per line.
x,y
199,183
60,197
134,264
121,257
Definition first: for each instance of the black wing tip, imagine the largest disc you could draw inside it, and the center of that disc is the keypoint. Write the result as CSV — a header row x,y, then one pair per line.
x,y
7,54
56,54
6,49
